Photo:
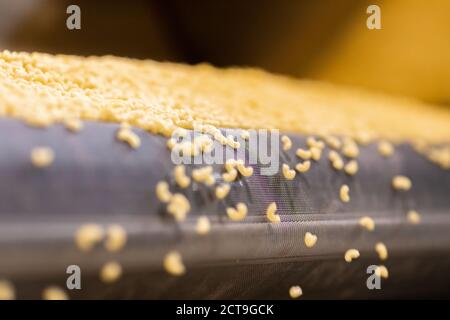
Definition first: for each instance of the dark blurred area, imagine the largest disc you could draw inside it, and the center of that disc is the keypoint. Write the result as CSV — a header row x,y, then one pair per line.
x,y
322,39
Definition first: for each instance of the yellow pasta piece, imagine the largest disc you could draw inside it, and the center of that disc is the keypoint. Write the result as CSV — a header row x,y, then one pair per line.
x,y
42,157
295,292
173,264
126,135
271,213
382,251
162,192
230,176
239,213
243,170
178,206
288,173
310,239
343,193
180,176
287,143
88,235
333,142
245,134
313,143
54,293
111,272
7,291
367,223
338,163
385,148
204,175
73,124
382,272
351,254
171,143
203,225
413,217
316,153
303,167
401,183
350,149
222,191
303,154
351,168
116,238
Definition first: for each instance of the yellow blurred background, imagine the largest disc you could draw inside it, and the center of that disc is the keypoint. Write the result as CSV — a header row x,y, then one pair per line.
x,y
322,39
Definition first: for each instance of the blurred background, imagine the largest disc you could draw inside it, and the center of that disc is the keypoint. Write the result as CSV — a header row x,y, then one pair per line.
x,y
317,39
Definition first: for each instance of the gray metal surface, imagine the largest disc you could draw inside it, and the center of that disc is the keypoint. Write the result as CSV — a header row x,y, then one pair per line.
x,y
95,178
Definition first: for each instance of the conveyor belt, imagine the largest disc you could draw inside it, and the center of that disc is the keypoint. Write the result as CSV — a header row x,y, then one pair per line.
x,y
97,179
